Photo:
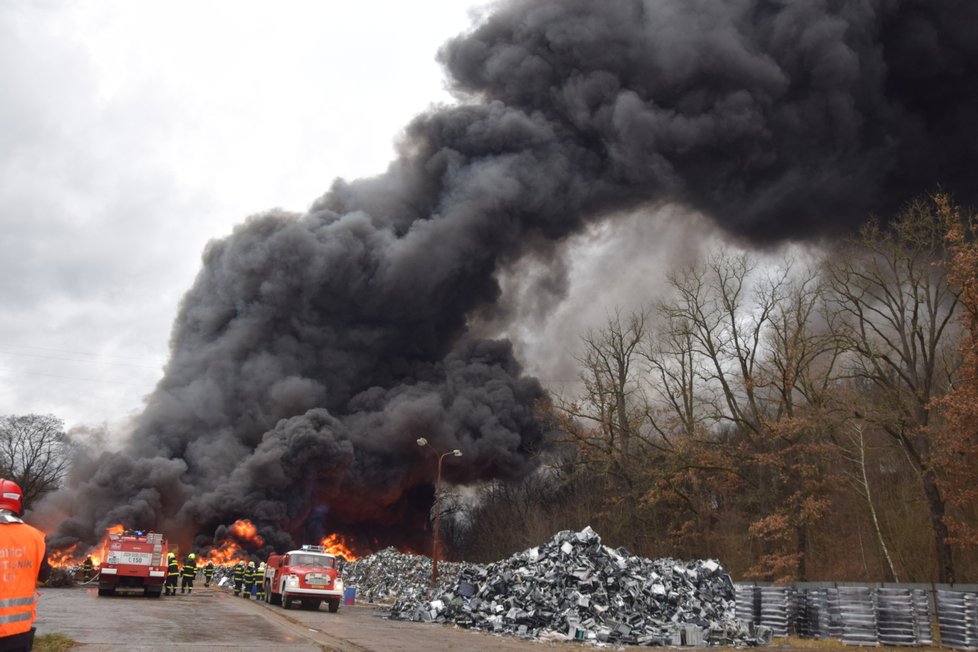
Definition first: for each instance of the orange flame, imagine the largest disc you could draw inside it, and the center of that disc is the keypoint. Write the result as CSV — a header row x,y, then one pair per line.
x,y
228,552
62,558
338,545
245,530
74,557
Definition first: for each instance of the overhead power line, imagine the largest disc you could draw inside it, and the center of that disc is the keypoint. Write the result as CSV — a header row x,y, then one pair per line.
x,y
86,380
80,356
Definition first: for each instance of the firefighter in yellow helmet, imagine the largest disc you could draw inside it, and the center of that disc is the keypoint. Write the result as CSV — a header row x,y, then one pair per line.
x,y
249,580
188,573
237,574
208,573
172,573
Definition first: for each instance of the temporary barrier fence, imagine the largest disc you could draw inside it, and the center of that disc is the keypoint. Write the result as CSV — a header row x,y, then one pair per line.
x,y
860,614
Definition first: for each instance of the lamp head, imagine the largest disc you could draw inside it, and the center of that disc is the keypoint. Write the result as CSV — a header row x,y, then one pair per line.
x,y
457,453
422,441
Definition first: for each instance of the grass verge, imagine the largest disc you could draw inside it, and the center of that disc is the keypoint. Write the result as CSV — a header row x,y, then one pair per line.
x,y
53,643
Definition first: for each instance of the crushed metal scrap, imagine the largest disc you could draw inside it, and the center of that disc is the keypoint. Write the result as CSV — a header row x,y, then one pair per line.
x,y
390,575
571,588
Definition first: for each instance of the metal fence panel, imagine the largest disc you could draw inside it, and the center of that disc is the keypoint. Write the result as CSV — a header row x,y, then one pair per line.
x,y
889,615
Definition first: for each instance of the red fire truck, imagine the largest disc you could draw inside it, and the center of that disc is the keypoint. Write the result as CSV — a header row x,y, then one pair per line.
x,y
309,576
133,560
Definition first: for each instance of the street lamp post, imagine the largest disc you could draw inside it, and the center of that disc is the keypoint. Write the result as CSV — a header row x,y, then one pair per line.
x,y
434,546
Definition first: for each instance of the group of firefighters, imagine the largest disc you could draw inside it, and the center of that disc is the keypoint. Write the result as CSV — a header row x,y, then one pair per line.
x,y
247,579
186,573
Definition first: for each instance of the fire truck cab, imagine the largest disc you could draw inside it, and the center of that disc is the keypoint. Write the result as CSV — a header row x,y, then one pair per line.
x,y
134,560
308,575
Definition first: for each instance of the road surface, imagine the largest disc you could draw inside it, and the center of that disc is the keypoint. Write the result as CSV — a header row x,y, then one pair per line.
x,y
213,619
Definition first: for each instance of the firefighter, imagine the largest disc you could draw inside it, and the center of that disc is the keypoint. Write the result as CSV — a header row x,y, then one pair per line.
x,y
260,582
88,569
249,580
238,576
188,573
22,548
172,573
208,573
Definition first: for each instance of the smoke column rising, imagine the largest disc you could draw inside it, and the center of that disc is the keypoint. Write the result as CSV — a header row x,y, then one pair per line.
x,y
314,349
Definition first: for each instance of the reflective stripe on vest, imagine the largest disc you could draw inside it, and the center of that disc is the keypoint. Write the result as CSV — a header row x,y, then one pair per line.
x,y
21,555
16,618
26,611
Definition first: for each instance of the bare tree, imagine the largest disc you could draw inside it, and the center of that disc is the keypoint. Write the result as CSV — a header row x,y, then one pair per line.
x,y
854,451
612,403
605,424
742,369
896,309
34,453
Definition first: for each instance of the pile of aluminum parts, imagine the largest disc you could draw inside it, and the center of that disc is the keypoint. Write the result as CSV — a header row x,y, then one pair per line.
x,y
389,575
575,588
223,576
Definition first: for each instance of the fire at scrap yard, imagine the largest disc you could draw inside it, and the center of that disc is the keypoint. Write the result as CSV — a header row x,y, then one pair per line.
x,y
335,376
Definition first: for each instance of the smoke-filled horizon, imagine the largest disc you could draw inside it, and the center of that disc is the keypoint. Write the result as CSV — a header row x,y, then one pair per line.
x,y
313,350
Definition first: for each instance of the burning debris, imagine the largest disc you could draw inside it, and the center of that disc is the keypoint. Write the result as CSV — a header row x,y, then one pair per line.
x,y
576,588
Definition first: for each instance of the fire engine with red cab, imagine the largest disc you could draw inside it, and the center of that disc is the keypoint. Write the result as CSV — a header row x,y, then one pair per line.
x,y
309,575
133,560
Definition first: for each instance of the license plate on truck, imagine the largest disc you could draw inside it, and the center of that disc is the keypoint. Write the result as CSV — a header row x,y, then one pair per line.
x,y
127,557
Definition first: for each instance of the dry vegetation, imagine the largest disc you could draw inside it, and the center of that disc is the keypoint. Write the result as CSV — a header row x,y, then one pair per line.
x,y
797,421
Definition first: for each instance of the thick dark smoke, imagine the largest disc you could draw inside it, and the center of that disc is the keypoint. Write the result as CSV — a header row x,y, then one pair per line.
x,y
313,350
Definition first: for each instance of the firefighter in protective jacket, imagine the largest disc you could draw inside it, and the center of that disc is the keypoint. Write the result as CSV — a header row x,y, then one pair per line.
x,y
260,581
188,573
249,580
21,560
88,569
238,576
208,573
172,573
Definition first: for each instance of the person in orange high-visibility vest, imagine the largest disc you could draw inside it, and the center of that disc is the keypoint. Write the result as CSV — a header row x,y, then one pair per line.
x,y
21,559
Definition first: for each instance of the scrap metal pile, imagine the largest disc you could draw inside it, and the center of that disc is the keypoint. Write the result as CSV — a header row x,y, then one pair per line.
x,y
571,588
391,575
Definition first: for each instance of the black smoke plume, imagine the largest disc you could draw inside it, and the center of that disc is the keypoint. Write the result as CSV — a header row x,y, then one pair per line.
x,y
314,349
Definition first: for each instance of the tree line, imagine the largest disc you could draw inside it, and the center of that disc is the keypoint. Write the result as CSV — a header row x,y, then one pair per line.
x,y
811,419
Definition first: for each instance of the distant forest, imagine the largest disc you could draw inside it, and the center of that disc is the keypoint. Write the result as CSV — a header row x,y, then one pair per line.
x,y
811,419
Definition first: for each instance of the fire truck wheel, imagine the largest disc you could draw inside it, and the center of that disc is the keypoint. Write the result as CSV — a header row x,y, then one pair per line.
x,y
286,600
268,593
273,598
334,605
153,591
104,592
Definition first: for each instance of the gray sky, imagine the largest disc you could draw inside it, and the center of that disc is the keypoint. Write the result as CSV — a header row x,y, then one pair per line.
x,y
135,131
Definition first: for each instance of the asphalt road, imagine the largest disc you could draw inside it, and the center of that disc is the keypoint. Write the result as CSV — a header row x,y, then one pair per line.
x,y
213,619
